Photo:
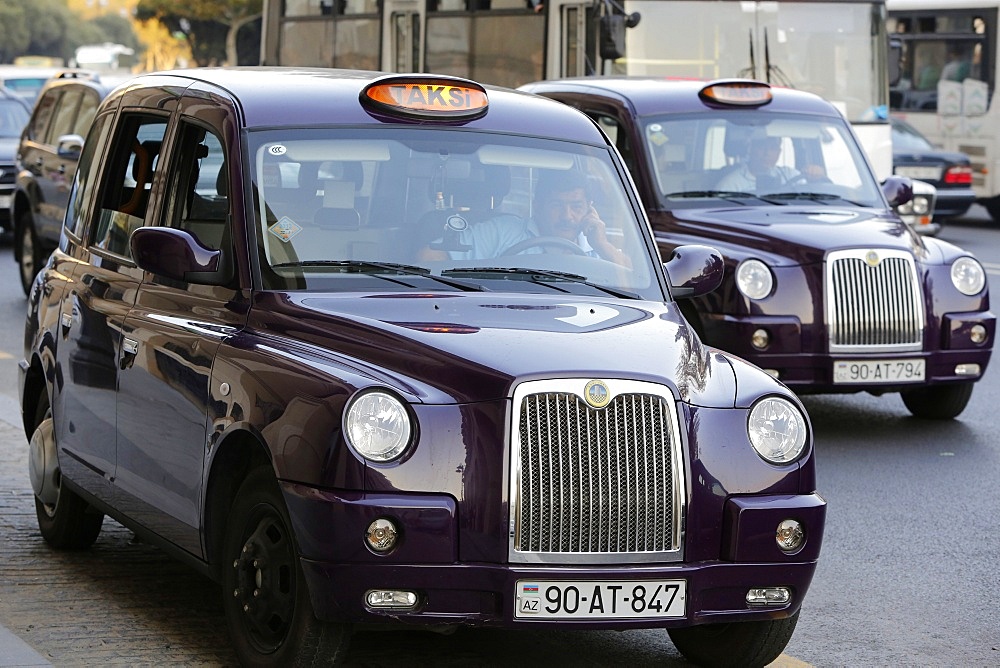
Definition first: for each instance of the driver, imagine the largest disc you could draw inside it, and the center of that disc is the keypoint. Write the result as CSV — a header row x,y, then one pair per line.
x,y
562,211
761,169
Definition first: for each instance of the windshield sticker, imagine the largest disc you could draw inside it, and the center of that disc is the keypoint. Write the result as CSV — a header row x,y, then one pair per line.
x,y
285,229
277,149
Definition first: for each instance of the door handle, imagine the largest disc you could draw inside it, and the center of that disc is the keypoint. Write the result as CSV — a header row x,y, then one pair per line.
x,y
129,349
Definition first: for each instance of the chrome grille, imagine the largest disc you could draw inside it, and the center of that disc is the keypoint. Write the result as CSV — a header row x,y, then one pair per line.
x,y
596,481
874,301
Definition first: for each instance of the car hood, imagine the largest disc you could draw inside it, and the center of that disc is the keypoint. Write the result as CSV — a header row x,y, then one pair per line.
x,y
8,148
788,235
457,348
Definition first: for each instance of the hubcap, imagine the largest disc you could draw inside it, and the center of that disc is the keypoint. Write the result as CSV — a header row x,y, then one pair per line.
x,y
27,255
43,465
265,580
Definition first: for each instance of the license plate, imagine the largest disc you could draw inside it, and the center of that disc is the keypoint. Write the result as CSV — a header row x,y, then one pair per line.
x,y
596,599
927,173
878,371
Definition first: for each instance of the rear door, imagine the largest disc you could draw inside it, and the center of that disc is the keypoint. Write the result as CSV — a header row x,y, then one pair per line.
x,y
104,288
171,336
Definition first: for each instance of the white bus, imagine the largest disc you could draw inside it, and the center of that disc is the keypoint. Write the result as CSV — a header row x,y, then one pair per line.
x,y
947,80
836,48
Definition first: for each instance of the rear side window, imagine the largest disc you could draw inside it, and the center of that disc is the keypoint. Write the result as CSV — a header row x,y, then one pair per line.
x,y
43,114
65,116
86,177
128,181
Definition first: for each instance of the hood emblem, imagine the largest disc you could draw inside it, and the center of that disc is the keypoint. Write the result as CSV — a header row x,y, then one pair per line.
x,y
597,394
872,258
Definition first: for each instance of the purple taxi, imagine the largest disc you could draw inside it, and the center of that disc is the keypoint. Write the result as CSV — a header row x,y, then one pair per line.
x,y
826,288
373,349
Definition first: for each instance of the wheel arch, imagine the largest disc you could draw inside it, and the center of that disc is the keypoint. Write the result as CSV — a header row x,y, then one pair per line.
x,y
34,385
238,454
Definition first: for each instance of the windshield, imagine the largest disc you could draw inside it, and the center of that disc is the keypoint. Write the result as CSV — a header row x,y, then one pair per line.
x,y
758,158
421,209
13,118
834,49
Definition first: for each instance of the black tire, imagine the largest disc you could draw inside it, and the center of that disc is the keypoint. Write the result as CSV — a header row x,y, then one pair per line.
x,y
992,206
27,249
939,402
735,645
70,523
268,612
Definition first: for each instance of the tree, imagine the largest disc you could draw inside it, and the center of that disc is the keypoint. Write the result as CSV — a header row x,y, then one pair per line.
x,y
212,26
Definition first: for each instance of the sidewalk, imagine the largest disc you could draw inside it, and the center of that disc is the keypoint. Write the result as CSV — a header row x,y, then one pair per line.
x,y
13,650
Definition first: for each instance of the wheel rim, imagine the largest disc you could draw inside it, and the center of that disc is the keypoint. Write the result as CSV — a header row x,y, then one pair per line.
x,y
265,580
27,255
49,508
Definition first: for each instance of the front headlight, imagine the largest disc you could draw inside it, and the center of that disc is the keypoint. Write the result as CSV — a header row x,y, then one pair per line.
x,y
968,276
754,279
377,426
777,430
920,205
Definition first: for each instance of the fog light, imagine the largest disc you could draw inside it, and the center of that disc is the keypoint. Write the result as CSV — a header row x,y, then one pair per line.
x,y
760,339
390,598
977,334
790,535
769,596
967,370
382,535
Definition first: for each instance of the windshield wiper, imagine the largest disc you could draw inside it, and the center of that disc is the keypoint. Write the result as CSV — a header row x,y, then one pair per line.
x,y
537,276
814,197
731,195
387,267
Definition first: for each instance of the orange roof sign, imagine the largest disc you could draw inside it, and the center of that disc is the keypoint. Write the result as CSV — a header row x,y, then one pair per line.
x,y
426,97
740,93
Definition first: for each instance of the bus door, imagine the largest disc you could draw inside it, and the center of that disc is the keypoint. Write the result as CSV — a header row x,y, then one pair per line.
x,y
403,27
566,39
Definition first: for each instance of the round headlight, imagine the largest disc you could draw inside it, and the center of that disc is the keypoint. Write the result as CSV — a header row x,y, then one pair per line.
x,y
777,430
968,276
754,279
921,205
377,426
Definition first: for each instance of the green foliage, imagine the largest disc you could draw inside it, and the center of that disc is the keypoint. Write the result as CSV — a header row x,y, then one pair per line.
x,y
49,28
207,24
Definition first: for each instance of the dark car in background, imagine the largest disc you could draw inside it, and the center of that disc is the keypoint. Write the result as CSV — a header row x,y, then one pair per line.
x,y
826,288
914,156
14,113
47,156
274,343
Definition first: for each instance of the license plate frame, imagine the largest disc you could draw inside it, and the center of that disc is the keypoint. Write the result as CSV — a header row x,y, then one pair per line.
x,y
600,599
879,372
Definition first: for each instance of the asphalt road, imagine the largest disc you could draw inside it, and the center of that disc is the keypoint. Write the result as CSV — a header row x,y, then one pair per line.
x,y
907,576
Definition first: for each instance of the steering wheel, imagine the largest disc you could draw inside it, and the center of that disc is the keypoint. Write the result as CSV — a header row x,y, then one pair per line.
x,y
536,242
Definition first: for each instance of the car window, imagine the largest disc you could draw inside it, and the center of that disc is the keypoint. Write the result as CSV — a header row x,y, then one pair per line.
x,y
65,116
85,114
776,157
128,181
441,202
198,193
43,113
13,117
86,183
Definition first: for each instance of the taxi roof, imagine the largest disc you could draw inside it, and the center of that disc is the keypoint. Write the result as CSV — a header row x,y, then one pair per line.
x,y
652,95
286,96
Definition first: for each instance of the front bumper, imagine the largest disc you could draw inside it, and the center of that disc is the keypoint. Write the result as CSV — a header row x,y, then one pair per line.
x,y
810,372
339,570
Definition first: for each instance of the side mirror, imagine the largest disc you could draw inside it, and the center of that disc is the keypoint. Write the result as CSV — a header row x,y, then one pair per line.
x,y
898,190
69,146
178,255
694,270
